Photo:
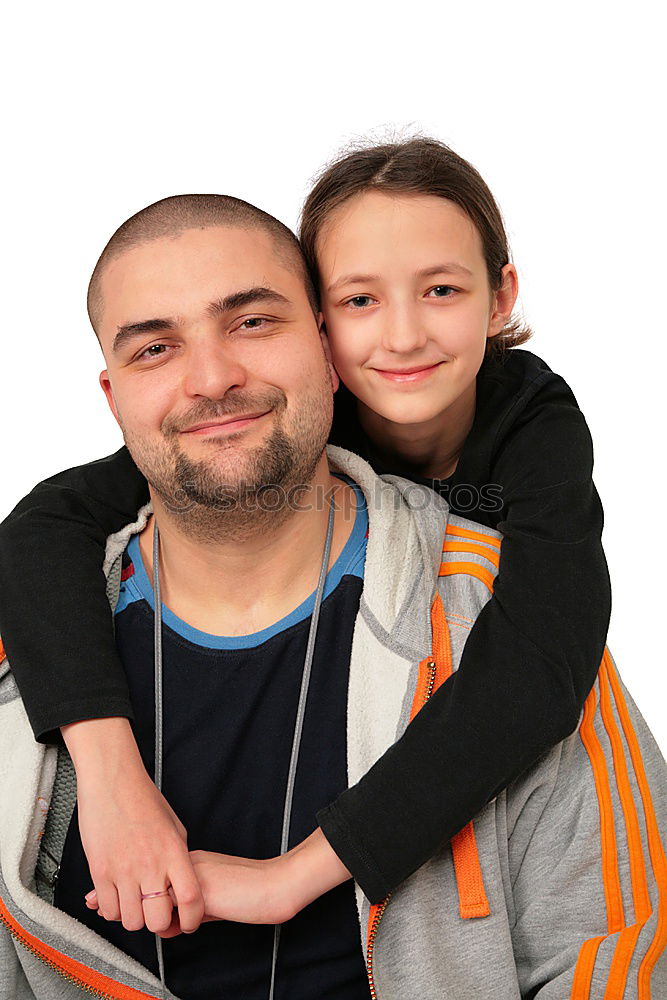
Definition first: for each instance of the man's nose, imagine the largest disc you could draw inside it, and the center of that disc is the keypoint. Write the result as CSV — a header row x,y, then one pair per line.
x,y
212,369
403,332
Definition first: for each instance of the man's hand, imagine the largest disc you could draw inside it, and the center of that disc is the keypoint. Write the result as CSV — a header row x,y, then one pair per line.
x,y
133,840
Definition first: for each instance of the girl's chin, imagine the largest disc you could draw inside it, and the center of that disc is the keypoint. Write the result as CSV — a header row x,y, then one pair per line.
x,y
405,412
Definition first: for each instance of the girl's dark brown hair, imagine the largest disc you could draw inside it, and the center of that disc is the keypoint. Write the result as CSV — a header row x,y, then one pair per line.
x,y
415,166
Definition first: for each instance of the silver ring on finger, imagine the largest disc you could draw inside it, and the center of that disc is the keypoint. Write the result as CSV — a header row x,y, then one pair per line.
x,y
154,895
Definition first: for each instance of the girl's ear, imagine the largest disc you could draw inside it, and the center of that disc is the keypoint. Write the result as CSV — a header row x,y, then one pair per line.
x,y
503,300
105,382
335,381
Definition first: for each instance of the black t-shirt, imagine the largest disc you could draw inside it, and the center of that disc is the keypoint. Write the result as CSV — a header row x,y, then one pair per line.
x,y
229,714
527,666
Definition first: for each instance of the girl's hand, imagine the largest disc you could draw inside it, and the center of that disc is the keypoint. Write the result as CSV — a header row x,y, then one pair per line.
x,y
264,892
133,840
239,889
245,890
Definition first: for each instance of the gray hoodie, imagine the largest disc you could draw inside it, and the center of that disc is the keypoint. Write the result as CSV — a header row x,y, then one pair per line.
x,y
557,889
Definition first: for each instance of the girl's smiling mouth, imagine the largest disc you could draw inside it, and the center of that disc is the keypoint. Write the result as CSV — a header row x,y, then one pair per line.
x,y
401,375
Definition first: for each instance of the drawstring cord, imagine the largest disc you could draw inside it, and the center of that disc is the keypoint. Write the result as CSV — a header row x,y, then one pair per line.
x,y
298,727
157,660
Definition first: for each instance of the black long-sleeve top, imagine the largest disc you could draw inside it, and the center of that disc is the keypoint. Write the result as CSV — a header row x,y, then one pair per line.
x,y
528,663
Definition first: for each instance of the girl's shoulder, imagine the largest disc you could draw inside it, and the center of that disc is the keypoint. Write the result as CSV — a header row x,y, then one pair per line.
x,y
526,416
519,373
516,383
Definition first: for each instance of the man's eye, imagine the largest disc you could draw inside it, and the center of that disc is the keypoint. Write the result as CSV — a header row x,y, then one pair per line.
x,y
441,291
153,351
253,323
359,301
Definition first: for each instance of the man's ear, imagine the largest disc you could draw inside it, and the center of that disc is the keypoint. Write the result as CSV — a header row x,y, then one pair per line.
x,y
105,382
327,351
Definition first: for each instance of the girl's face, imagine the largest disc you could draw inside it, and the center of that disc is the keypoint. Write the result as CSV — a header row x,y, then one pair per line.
x,y
407,302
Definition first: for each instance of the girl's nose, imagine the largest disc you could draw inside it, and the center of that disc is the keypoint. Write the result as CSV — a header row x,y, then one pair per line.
x,y
403,332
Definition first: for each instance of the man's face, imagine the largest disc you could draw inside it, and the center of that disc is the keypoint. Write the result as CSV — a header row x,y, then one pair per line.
x,y
216,371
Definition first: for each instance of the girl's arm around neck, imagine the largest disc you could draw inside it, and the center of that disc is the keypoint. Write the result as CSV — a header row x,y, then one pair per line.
x,y
528,663
55,618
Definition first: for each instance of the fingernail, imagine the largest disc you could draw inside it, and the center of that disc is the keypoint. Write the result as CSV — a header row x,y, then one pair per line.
x,y
89,895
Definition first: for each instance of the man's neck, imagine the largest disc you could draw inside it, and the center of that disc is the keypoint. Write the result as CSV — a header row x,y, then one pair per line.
x,y
241,586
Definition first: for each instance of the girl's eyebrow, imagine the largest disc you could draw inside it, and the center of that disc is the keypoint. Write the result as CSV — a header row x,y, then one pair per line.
x,y
352,279
450,268
428,272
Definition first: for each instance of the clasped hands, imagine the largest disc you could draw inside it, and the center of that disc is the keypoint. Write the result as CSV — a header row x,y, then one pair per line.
x,y
245,890
136,847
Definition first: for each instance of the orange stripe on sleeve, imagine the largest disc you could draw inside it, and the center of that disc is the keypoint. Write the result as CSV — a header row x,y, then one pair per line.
x,y
3,655
628,937
620,963
640,896
656,850
489,554
627,940
475,535
610,876
583,973
656,947
469,568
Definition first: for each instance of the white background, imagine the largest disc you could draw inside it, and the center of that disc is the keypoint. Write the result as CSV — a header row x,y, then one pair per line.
x,y
561,107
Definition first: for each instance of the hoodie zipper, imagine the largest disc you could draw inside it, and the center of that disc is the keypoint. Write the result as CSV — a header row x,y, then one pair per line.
x,y
81,984
424,691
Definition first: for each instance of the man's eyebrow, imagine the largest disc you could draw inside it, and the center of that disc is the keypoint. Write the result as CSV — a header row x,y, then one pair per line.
x,y
428,272
131,330
236,300
246,297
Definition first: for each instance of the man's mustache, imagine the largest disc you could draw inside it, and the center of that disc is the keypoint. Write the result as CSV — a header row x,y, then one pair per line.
x,y
233,405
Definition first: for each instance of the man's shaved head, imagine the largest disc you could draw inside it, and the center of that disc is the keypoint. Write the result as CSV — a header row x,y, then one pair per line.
x,y
172,216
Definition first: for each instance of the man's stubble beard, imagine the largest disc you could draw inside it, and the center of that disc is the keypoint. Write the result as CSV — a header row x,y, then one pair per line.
x,y
203,499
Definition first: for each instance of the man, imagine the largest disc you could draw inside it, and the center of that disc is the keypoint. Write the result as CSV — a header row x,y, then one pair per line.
x,y
218,377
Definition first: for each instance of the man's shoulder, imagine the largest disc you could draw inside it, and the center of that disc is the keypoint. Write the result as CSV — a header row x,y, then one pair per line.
x,y
9,695
470,548
118,541
609,765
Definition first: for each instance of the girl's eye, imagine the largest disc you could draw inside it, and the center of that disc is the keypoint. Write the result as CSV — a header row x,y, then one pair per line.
x,y
441,291
359,301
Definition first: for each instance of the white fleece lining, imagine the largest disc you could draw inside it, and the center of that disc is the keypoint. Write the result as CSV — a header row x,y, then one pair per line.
x,y
117,543
27,775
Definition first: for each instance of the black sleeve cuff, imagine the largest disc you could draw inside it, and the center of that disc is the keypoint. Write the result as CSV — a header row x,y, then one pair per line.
x,y
47,727
358,862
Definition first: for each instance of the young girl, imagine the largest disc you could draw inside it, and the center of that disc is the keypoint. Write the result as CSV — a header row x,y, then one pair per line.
x,y
417,291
